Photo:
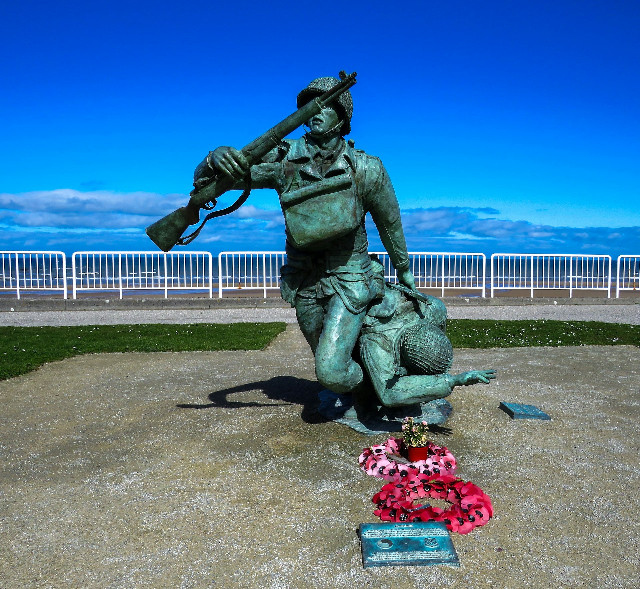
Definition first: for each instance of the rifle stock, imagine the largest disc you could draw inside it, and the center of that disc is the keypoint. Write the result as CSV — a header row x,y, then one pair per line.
x,y
168,231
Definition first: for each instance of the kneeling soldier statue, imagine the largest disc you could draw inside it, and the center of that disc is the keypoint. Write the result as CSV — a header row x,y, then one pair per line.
x,y
325,187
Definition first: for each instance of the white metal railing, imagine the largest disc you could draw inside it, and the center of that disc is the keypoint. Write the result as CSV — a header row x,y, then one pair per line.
x,y
26,271
628,274
121,271
249,271
261,270
550,272
22,271
442,270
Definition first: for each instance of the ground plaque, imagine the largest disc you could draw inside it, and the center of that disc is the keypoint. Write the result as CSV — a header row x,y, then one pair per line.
x,y
519,411
411,543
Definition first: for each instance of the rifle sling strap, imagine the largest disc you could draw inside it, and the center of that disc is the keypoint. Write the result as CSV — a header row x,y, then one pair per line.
x,y
230,209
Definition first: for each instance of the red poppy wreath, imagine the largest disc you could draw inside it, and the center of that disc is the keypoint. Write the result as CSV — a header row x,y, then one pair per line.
x,y
434,478
470,508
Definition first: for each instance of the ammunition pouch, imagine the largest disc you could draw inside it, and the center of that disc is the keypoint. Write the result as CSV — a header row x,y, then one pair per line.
x,y
316,214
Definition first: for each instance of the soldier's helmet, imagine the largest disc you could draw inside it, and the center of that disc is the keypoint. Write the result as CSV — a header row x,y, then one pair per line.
x,y
343,104
436,314
425,349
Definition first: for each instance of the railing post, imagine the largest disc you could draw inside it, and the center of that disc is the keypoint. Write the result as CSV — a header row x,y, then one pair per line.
x,y
166,277
17,277
571,278
64,274
492,281
531,276
220,275
120,274
209,258
73,275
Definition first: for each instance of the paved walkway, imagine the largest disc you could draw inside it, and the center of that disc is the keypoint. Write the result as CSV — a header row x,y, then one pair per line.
x,y
608,313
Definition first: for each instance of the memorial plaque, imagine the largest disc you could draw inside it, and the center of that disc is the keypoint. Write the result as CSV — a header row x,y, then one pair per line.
x,y
519,411
408,544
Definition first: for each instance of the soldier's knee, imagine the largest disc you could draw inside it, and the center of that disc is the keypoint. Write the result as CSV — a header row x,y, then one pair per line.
x,y
337,376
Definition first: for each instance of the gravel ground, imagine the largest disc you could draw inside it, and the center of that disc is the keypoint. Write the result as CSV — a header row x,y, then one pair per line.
x,y
213,469
135,316
611,314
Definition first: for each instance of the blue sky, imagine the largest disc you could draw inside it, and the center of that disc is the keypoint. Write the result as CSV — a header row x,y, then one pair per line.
x,y
505,126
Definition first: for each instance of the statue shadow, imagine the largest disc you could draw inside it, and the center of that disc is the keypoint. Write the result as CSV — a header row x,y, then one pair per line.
x,y
443,430
288,390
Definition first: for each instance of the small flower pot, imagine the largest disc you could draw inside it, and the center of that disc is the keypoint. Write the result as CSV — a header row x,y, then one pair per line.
x,y
417,453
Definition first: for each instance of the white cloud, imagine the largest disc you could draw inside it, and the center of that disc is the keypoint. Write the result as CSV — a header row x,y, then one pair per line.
x,y
71,209
273,218
70,219
457,228
66,200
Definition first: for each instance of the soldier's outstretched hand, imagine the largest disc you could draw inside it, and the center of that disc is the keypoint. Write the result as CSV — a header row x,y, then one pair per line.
x,y
230,161
476,376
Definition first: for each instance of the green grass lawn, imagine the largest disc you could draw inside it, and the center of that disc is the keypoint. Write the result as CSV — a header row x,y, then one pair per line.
x,y
23,349
487,333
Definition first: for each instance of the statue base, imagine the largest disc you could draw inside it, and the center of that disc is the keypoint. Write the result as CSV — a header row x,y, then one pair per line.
x,y
381,420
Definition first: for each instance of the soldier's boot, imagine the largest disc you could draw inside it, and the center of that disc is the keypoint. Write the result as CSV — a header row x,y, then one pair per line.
x,y
366,405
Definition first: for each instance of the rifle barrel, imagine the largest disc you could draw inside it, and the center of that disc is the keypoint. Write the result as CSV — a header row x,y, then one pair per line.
x,y
262,145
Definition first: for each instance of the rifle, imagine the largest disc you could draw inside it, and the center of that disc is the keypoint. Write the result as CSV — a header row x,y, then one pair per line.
x,y
168,231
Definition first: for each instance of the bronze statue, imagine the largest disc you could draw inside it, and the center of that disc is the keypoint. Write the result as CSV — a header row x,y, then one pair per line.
x,y
405,350
168,231
325,187
406,356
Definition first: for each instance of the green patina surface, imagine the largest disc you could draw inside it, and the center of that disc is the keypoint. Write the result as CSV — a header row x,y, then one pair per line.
x,y
382,346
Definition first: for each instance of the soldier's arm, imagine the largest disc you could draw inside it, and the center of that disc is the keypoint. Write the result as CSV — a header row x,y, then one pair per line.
x,y
232,162
380,200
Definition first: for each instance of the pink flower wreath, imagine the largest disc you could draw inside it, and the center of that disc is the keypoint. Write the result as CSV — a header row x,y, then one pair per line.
x,y
377,461
433,477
